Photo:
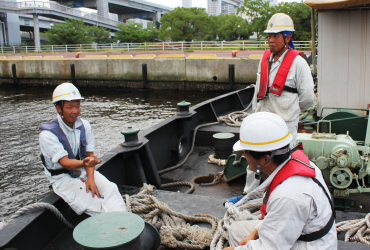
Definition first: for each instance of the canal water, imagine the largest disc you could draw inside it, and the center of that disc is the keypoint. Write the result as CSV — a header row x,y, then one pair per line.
x,y
22,110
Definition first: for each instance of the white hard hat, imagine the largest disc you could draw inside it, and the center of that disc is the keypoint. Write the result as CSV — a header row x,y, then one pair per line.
x,y
66,92
278,23
263,131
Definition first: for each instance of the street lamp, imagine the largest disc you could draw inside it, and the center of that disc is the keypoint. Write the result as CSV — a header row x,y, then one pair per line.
x,y
135,26
239,32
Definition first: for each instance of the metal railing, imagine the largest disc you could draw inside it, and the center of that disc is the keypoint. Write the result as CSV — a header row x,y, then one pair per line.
x,y
158,46
58,7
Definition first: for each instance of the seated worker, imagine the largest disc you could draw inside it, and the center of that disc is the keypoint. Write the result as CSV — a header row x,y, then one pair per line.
x,y
67,147
284,83
297,210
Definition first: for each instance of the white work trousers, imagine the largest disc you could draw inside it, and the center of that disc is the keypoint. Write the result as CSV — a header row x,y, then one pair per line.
x,y
73,191
240,230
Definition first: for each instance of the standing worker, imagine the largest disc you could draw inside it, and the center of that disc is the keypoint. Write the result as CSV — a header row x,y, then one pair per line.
x,y
284,82
67,147
297,210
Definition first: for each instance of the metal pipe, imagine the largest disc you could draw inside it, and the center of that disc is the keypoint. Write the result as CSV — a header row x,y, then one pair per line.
x,y
313,44
73,74
231,76
145,76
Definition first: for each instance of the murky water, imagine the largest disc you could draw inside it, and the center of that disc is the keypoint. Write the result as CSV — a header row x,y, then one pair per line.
x,y
22,110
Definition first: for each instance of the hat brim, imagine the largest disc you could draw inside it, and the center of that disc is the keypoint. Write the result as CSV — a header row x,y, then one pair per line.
x,y
239,146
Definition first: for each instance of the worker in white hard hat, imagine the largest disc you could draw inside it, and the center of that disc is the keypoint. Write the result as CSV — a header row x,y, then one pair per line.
x,y
297,210
284,82
67,147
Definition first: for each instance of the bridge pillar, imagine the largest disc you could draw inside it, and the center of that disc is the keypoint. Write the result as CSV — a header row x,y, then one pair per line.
x,y
103,8
36,32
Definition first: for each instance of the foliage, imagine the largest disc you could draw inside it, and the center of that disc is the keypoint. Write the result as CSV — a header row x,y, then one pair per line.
x,y
301,16
184,24
225,27
129,33
73,31
260,12
100,34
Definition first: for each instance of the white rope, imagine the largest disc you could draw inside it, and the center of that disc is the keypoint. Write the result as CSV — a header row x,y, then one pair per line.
x,y
175,230
357,230
219,162
245,209
39,205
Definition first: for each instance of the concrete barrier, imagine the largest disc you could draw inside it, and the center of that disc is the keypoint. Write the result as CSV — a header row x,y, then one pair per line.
x,y
163,72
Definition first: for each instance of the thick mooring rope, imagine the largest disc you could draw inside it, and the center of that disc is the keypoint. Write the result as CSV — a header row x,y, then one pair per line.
x,y
245,209
180,183
41,205
357,230
175,231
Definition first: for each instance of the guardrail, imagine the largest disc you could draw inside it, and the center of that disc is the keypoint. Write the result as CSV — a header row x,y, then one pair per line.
x,y
158,46
55,6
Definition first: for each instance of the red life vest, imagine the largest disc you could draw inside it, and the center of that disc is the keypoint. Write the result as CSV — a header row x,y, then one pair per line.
x,y
277,86
290,169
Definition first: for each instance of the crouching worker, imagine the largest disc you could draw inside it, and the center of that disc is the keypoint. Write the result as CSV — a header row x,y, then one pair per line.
x,y
67,147
297,208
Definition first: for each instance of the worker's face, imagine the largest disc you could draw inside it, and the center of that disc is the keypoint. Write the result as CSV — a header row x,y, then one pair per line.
x,y
277,42
71,110
250,160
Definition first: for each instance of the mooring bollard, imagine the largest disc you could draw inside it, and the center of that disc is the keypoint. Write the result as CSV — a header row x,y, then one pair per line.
x,y
145,76
14,72
231,76
73,74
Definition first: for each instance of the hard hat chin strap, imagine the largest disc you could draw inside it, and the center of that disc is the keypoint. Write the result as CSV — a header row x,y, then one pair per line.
x,y
61,113
275,152
258,171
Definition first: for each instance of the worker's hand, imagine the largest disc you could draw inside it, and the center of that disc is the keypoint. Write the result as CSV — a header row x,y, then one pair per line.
x,y
252,236
229,248
90,184
96,159
89,162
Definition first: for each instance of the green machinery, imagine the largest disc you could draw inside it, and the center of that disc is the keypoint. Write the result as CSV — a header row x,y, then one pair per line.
x,y
339,147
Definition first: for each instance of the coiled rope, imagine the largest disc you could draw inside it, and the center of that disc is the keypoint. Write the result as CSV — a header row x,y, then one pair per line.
x,y
175,231
357,230
245,209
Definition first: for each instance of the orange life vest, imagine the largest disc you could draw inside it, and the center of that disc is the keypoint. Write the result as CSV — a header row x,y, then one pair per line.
x,y
278,85
293,167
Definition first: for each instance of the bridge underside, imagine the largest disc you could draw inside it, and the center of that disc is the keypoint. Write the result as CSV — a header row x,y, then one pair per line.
x,y
122,9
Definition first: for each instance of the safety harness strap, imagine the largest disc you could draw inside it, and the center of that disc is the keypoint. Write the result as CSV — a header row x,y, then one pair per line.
x,y
288,89
322,232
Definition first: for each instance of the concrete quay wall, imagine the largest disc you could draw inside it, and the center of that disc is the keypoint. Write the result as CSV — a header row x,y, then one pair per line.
x,y
162,73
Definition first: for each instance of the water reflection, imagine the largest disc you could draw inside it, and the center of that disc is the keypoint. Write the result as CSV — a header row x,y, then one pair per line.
x,y
22,180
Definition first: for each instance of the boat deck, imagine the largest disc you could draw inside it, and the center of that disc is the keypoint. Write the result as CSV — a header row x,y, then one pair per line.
x,y
206,200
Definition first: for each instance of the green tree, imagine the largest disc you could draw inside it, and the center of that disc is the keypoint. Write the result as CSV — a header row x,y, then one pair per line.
x,y
260,12
73,31
99,34
229,30
301,16
184,24
130,34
